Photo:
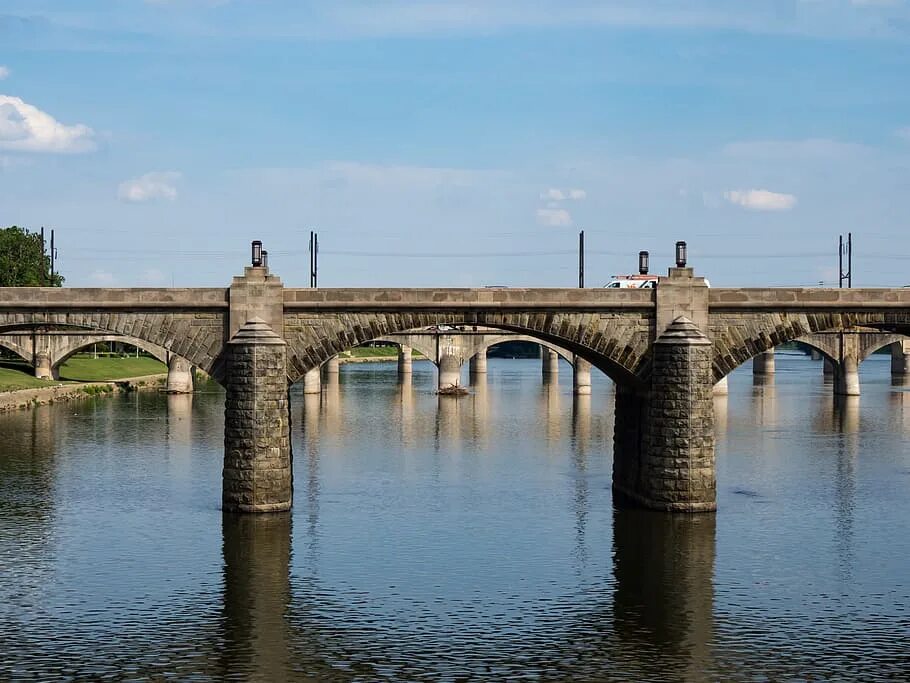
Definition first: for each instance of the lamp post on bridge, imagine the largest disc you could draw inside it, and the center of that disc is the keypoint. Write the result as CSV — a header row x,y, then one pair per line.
x,y
681,254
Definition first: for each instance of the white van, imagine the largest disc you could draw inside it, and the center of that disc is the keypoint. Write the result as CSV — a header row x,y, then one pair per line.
x,y
632,282
638,282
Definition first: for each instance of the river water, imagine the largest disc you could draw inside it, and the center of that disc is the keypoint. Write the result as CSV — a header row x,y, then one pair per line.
x,y
435,538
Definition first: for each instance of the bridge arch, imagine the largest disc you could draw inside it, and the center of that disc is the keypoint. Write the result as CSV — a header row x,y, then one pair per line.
x,y
8,343
618,345
526,338
740,335
77,344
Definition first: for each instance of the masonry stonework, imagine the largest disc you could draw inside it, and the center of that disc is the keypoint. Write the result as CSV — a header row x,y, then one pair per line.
x,y
257,451
664,439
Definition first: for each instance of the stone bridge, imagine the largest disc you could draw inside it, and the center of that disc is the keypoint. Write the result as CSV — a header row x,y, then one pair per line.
x,y
665,348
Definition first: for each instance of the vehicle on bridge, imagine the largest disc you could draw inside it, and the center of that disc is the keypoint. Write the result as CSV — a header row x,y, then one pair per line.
x,y
636,282
632,282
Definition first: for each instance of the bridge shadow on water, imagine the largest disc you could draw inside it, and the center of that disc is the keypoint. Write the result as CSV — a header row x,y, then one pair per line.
x,y
652,616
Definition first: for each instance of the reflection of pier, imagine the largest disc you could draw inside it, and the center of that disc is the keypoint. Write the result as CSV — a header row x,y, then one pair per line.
x,y
658,622
664,599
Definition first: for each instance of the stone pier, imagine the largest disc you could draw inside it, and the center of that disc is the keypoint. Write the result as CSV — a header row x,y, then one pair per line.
x,y
763,363
449,371
257,450
312,381
43,367
900,359
404,361
478,363
581,376
332,366
549,364
846,370
179,376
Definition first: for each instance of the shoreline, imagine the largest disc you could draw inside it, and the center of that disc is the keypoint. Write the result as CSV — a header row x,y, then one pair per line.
x,y
27,398
23,399
376,359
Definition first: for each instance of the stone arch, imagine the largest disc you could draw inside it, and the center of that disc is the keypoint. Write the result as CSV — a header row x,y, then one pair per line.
x,y
740,335
196,336
10,343
76,344
416,344
526,338
617,344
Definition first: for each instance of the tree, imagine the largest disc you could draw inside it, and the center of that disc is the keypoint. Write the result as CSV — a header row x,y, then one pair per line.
x,y
23,262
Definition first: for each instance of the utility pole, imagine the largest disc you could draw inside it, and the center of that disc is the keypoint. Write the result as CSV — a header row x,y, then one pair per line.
x,y
845,249
53,256
43,260
581,259
314,259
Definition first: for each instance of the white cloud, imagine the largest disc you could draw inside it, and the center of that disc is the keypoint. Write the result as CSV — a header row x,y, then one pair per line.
x,y
554,194
554,218
28,129
761,200
154,185
903,133
4,72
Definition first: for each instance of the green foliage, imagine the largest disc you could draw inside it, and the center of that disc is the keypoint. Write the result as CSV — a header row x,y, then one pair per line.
x,y
22,263
95,389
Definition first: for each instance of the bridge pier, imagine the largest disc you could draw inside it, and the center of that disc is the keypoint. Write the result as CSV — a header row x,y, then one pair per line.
x,y
478,363
846,377
900,359
763,363
179,376
449,371
405,362
312,381
581,377
549,364
44,368
257,449
664,440
332,366
846,370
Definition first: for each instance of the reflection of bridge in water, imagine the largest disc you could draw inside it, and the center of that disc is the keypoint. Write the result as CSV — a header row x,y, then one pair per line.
x,y
665,349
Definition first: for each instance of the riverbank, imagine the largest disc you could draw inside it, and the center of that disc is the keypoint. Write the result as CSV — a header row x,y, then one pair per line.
x,y
80,376
28,398
375,354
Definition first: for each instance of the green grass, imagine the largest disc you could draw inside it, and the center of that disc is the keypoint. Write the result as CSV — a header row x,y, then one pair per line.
x,y
16,374
374,352
87,369
377,352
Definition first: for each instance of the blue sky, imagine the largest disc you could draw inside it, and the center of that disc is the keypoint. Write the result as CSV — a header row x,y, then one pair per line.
x,y
458,143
